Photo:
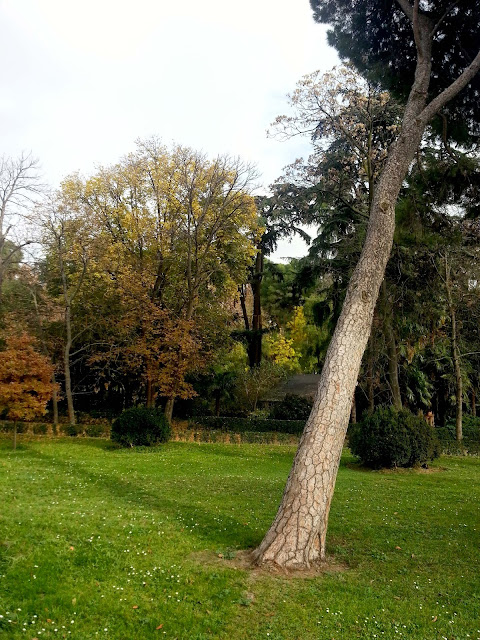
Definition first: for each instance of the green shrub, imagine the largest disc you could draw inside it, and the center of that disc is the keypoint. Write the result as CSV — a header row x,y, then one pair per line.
x,y
241,425
140,427
40,429
470,444
72,430
470,429
391,438
22,427
95,430
9,427
292,407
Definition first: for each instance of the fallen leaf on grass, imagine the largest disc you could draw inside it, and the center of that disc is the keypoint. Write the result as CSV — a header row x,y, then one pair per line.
x,y
160,626
398,548
135,606
434,619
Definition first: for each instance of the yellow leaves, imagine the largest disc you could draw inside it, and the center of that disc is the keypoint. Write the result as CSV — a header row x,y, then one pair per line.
x,y
280,350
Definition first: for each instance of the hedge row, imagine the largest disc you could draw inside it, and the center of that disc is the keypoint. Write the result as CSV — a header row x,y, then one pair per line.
x,y
242,425
246,437
38,428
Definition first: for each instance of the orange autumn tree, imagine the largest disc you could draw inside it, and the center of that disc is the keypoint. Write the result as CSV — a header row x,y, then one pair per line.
x,y
25,380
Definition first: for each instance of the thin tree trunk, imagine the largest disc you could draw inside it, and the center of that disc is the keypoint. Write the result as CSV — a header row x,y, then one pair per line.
x,y
474,403
391,350
455,354
150,396
55,400
353,410
459,384
243,305
45,350
255,342
370,374
298,533
14,435
66,365
169,409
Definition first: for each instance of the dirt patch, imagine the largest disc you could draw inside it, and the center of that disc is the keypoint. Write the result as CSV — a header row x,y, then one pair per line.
x,y
243,560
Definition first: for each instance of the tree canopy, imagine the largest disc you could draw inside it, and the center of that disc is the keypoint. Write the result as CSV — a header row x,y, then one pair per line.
x,y
377,36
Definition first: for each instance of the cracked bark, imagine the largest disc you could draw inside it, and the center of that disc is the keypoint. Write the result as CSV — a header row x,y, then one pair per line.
x,y
296,538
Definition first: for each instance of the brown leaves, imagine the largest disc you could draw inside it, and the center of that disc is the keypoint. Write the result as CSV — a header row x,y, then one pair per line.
x,y
25,378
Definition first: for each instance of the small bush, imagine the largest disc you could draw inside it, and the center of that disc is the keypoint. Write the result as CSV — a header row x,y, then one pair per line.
x,y
40,429
140,427
391,438
72,430
292,407
95,430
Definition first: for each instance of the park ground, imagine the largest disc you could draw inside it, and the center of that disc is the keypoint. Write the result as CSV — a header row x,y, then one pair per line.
x,y
144,544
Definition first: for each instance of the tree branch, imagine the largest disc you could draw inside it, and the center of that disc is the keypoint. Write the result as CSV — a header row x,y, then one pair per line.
x,y
406,8
451,91
447,11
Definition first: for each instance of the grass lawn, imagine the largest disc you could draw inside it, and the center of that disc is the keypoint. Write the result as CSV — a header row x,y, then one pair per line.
x,y
124,545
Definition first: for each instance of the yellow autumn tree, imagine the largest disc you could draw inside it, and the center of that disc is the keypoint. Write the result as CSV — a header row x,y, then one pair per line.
x,y
280,351
179,231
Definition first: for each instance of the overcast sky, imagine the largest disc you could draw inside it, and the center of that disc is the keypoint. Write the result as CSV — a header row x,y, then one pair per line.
x,y
82,80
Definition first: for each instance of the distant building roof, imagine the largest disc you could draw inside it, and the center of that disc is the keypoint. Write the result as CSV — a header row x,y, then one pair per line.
x,y
304,385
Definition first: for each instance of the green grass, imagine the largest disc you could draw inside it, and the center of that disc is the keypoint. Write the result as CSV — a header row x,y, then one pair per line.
x,y
111,544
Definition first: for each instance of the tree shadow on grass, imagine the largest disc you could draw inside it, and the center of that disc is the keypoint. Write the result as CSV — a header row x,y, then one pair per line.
x,y
215,527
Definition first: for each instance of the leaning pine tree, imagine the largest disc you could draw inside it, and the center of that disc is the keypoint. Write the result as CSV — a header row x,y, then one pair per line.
x,y
432,48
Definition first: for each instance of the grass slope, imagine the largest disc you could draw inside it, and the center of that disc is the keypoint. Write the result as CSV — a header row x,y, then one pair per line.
x,y
96,543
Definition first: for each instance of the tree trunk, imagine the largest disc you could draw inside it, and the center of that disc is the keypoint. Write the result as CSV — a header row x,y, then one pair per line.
x,y
55,400
455,354
66,366
391,350
297,536
15,435
217,403
255,340
370,374
243,305
150,396
45,351
353,410
169,409
474,403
